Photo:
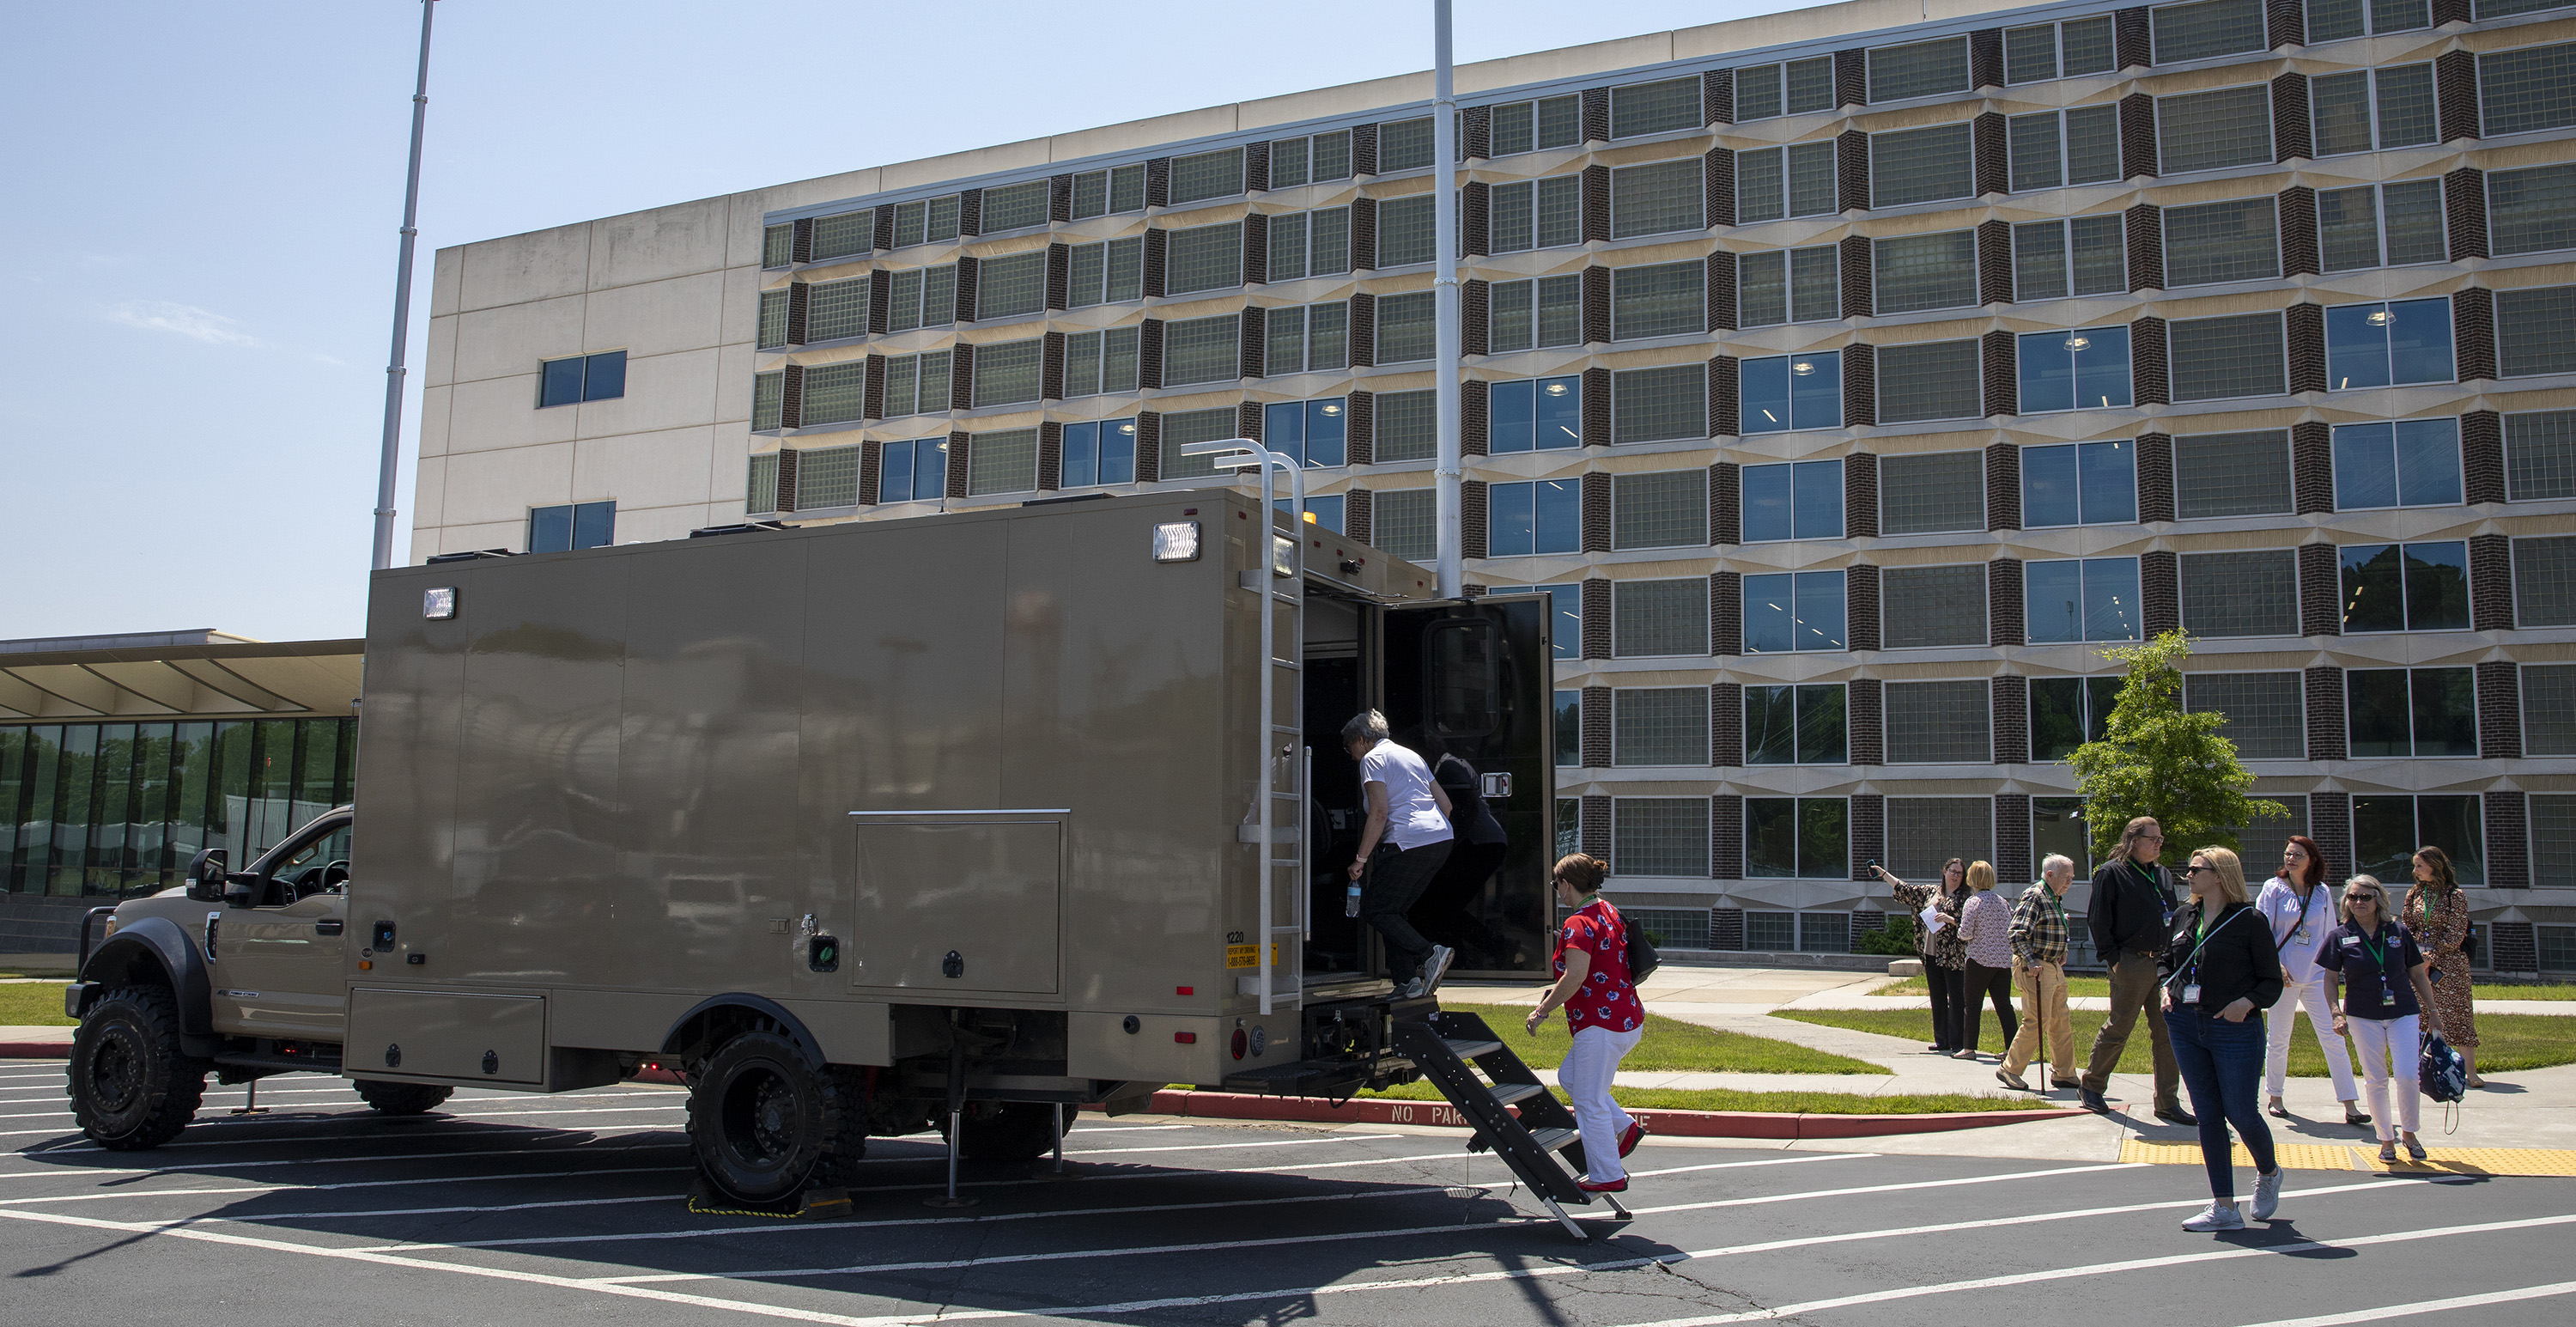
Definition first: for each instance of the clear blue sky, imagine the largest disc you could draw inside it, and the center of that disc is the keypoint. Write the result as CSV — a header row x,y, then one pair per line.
x,y
197,229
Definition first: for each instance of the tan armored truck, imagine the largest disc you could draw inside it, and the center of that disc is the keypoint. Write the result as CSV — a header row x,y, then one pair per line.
x,y
862,829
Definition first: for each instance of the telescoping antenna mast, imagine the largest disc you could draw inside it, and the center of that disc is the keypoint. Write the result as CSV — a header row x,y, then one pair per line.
x,y
1449,527
388,462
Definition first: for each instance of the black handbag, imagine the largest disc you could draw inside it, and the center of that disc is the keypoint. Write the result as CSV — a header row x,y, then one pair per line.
x,y
1642,958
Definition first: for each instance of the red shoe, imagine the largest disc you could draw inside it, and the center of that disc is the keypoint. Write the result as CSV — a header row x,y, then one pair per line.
x,y
1628,1140
1619,1185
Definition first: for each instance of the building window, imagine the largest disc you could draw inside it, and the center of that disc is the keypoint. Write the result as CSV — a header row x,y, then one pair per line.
x,y
838,310
1659,726
1184,427
1795,181
1662,107
1099,451
2405,463
1793,612
1325,509
922,297
1794,88
2549,709
2405,587
1801,500
2536,331
1313,160
2216,358
1002,462
1659,198
2082,483
2265,713
2235,240
2043,51
1532,126
1936,271
1005,287
772,327
2057,148
2334,20
1407,327
827,478
1650,619
1938,723
762,480
1932,607
600,377
1110,272
2386,831
1404,145
1929,380
1006,373
1408,426
1197,350
2250,593
2531,211
1204,258
925,221
1306,338
2232,474
1666,299
1659,509
2372,109
2540,455
2378,345
2216,129
1786,392
1659,405
1659,836
2532,88
1796,838
1202,175
1535,214
1405,232
2088,255
850,234
1313,433
777,246
768,397
914,385
1304,244
1098,193
2381,225
913,470
1932,493
1098,363
2419,712
1788,286
575,525
2081,599
1569,728
1565,617
838,393
1542,516
1921,166
2544,582
1534,414
1541,313
1795,725
1918,69
2208,28
1015,206
2067,712
2086,369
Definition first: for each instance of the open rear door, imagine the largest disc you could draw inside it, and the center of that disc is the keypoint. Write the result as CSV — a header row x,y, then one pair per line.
x,y
1475,681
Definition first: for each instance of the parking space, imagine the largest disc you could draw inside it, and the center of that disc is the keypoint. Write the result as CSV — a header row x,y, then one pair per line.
x,y
504,1207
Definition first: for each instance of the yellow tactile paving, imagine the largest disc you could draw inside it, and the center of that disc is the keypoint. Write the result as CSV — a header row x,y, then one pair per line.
x,y
2291,1156
2480,1161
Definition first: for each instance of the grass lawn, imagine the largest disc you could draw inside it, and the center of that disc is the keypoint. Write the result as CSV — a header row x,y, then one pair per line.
x,y
1812,1103
63,973
2100,988
32,1004
1669,1046
2505,1041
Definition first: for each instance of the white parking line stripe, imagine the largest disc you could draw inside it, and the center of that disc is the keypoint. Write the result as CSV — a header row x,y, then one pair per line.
x,y
677,1100
2428,1306
1758,1199
399,1131
76,1172
1216,1147
8,1203
304,1116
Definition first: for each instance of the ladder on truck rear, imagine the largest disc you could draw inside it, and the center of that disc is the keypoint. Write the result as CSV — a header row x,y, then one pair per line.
x,y
1287,764
1516,1117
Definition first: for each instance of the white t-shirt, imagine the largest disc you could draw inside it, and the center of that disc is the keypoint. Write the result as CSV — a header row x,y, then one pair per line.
x,y
2300,935
1412,817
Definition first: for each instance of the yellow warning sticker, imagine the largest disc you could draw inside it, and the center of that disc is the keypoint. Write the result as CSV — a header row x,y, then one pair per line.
x,y
1249,956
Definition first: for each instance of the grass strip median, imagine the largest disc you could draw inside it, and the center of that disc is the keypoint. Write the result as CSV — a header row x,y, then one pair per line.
x,y
2100,988
1669,1046
32,1004
1793,1103
2506,1042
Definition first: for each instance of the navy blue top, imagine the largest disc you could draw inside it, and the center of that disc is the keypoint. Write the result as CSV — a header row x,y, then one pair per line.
x,y
2347,952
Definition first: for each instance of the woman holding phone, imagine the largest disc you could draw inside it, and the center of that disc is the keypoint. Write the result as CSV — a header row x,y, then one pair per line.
x,y
1944,954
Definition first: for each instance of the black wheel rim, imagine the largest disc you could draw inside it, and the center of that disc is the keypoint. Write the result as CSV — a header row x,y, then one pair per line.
x,y
760,1117
115,1071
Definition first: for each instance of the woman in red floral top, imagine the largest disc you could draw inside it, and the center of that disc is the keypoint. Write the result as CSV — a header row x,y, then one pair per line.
x,y
1602,1007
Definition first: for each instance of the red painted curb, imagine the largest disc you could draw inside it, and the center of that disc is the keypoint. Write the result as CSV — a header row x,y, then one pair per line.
x,y
1668,1123
35,1050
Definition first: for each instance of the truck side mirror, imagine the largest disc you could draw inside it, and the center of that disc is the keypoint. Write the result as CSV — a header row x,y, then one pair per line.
x,y
206,876
241,890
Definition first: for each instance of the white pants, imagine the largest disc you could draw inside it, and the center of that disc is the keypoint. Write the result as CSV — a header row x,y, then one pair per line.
x,y
2381,1040
2309,995
1586,1076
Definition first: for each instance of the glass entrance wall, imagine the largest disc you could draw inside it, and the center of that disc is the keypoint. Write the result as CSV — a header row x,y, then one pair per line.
x,y
117,809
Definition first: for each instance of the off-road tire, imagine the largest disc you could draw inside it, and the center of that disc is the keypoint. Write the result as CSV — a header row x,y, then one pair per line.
x,y
761,1120
401,1098
131,1085
1009,1130
838,1167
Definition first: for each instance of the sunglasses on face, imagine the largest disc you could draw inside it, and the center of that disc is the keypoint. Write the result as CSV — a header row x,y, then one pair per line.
x,y
2361,898
2198,867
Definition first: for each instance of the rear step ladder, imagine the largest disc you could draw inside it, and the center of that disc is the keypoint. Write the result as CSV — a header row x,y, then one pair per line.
x,y
1449,1047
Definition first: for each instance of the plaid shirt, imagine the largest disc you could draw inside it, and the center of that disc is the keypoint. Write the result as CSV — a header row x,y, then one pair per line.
x,y
2039,926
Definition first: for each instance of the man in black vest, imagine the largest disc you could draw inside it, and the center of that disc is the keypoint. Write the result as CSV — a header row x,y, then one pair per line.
x,y
2128,915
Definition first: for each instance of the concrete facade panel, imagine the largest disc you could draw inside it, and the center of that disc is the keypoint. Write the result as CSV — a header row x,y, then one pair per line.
x,y
739,308
650,524
659,244
434,402
446,277
668,468
734,365
438,358
932,171
656,317
513,338
498,487
495,414
662,392
518,268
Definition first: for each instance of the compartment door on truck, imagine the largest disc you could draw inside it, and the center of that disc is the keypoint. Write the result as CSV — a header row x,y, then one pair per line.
x,y
1476,681
963,902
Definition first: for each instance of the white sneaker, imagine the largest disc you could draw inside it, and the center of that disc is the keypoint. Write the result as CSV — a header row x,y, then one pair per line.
x,y
2217,1217
1411,990
1436,967
2267,1194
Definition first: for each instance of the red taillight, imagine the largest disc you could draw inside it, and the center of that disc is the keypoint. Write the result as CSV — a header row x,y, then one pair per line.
x,y
1238,1043
1186,1038
1185,990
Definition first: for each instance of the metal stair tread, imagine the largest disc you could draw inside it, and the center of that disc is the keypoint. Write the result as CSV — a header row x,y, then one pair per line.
x,y
1549,1140
1468,1050
1507,1093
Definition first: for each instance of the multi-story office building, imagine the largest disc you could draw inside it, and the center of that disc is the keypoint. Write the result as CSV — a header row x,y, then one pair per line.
x,y
1848,378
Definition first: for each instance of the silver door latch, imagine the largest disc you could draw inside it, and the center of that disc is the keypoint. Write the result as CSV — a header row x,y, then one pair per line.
x,y
1497,785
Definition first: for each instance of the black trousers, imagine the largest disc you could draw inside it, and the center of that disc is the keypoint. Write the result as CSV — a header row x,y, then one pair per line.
x,y
1982,983
1947,996
1448,906
1388,891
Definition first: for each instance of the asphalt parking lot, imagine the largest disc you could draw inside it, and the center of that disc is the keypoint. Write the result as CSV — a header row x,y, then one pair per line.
x,y
510,1208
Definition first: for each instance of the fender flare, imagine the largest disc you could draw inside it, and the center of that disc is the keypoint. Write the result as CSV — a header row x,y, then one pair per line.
x,y
159,941
793,1026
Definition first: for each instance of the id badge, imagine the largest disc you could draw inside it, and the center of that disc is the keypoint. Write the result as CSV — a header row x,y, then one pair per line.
x,y
2191,993
2387,996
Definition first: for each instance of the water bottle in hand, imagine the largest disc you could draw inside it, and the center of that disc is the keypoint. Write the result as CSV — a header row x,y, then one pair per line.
x,y
1351,900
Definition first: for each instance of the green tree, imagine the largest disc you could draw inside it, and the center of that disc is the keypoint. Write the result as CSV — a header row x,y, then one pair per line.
x,y
2156,760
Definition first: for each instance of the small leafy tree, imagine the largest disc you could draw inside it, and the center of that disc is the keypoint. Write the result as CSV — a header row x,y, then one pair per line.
x,y
2156,760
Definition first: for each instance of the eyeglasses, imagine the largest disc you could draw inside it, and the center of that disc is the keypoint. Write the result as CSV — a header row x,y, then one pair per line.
x,y
2198,868
2361,898
2151,838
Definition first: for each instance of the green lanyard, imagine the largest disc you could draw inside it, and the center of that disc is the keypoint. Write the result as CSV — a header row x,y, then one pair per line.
x,y
2378,951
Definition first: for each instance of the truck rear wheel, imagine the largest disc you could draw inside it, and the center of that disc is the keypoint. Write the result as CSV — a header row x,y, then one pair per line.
x,y
762,1120
401,1098
1009,1130
131,1086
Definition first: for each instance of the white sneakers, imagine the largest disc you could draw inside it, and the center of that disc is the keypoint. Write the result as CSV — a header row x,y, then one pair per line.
x,y
2216,1216
2224,1216
2267,1194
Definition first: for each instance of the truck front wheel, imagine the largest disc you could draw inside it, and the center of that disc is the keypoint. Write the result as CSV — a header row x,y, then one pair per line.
x,y
761,1119
131,1085
401,1098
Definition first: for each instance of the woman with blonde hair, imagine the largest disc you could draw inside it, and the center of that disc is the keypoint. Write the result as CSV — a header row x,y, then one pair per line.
x,y
1985,927
2437,910
2380,1008
2220,970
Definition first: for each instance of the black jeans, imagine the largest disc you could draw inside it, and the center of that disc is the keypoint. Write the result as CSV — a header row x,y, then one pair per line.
x,y
1982,983
1948,994
1387,894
